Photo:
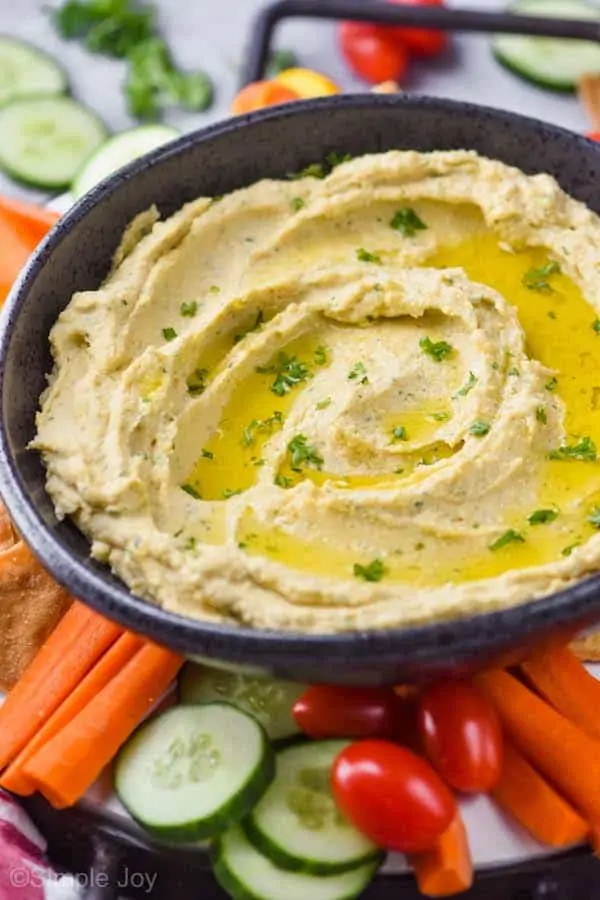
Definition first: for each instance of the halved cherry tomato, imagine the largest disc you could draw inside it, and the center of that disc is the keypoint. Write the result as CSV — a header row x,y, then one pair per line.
x,y
461,735
593,135
421,41
392,795
327,711
372,52
260,94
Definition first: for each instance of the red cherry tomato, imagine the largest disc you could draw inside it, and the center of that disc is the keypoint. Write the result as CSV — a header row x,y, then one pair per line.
x,y
327,711
422,42
392,795
461,735
593,135
372,53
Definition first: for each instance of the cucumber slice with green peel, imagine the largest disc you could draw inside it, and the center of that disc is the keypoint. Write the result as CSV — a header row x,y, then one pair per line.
x,y
555,63
192,771
245,874
46,140
26,71
297,824
270,700
119,150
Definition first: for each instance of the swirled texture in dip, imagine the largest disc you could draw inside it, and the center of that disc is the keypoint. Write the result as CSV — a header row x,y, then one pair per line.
x,y
361,401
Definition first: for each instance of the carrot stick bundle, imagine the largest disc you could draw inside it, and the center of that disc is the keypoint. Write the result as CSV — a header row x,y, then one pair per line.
x,y
69,763
111,664
447,868
527,797
75,645
29,222
569,757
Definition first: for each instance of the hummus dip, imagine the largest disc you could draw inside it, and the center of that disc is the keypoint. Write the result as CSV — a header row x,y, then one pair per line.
x,y
323,404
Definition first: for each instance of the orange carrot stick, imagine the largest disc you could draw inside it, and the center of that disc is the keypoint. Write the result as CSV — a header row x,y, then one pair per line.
x,y
526,795
31,223
65,767
15,253
446,869
121,652
75,645
565,683
569,757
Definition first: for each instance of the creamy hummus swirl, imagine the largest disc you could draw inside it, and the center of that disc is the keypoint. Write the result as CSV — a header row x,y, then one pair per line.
x,y
329,404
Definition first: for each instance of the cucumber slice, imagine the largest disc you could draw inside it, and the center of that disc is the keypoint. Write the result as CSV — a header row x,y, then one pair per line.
x,y
26,71
247,875
270,700
552,63
46,140
118,151
192,771
297,825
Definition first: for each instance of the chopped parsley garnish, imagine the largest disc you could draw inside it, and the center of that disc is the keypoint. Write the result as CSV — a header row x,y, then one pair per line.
x,y
596,326
262,425
196,383
321,170
552,384
467,386
189,309
304,453
323,404
584,450
169,334
513,371
594,517
437,350
190,543
366,256
257,323
540,414
214,289
509,537
374,571
358,372
537,279
289,372
568,550
479,428
407,222
542,516
297,203
440,416
321,358
399,433
283,481
207,454
191,491
335,159
228,492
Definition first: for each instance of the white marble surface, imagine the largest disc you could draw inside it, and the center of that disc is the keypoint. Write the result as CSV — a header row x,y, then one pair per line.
x,y
212,34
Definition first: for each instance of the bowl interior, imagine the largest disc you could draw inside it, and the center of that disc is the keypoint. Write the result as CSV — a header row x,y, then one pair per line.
x,y
77,255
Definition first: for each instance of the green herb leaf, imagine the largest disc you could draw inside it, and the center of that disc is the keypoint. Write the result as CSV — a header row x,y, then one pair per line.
x,y
189,309
169,334
479,428
467,386
321,170
568,550
399,433
407,222
436,350
154,83
365,256
191,491
283,481
584,450
261,425
537,279
297,203
280,61
289,372
542,516
358,372
374,571
509,537
440,416
196,383
207,454
540,414
321,357
110,27
596,326
214,289
229,492
552,384
594,517
304,453
323,404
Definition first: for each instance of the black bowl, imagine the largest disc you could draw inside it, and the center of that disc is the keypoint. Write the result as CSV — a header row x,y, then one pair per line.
x,y
76,256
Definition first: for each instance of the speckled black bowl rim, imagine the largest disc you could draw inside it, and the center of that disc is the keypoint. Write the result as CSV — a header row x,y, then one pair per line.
x,y
455,640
